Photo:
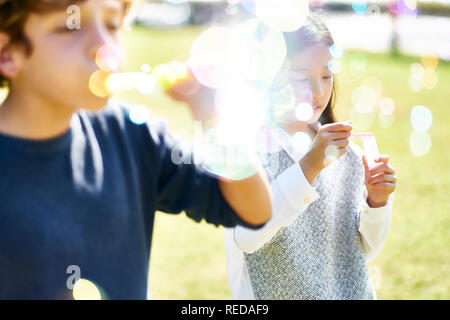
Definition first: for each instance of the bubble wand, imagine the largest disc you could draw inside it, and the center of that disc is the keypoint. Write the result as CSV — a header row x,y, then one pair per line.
x,y
370,147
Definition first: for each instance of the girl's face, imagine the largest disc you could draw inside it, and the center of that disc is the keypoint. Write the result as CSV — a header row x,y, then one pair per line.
x,y
312,82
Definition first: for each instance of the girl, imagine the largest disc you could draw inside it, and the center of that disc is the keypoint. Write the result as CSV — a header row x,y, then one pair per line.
x,y
329,216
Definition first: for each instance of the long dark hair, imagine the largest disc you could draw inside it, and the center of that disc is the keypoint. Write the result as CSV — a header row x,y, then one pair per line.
x,y
314,32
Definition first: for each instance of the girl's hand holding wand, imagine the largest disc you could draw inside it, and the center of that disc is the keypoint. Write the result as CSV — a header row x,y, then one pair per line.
x,y
380,181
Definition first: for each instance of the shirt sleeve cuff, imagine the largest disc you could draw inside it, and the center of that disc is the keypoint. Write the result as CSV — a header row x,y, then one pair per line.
x,y
370,214
295,187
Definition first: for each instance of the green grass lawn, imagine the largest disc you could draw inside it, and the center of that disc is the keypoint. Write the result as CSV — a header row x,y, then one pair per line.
x,y
188,259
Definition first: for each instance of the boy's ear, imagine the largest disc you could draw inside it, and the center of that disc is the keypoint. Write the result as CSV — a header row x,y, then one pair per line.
x,y
11,57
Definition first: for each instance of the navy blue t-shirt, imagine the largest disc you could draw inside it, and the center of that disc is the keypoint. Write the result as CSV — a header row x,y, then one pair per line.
x,y
87,199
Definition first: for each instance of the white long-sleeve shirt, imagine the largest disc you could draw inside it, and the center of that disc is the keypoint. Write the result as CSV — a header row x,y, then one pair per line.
x,y
292,194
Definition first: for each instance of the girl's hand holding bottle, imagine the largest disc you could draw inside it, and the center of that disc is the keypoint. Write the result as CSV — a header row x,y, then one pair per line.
x,y
380,181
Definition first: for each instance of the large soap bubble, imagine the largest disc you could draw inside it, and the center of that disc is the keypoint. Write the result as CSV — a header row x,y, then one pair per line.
x,y
250,51
283,15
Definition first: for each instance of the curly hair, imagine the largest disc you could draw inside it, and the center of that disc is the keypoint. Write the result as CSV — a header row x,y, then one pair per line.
x,y
14,14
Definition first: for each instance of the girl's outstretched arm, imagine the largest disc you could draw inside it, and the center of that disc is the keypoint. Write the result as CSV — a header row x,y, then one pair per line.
x,y
377,205
374,226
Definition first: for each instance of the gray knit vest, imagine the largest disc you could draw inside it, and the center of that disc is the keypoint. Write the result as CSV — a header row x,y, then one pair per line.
x,y
318,256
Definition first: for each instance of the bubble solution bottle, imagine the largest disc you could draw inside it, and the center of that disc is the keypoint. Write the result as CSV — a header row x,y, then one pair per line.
x,y
370,146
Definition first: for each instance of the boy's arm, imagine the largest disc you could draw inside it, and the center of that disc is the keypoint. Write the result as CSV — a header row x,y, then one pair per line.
x,y
249,197
187,186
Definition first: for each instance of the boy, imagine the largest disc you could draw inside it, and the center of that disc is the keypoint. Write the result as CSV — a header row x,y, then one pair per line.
x,y
78,190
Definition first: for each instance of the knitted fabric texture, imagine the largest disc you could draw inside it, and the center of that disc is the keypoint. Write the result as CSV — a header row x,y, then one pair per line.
x,y
318,256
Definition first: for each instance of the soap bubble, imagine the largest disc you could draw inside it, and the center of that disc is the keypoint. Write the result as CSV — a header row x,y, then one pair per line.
x,y
336,51
414,84
362,121
304,111
430,61
375,84
335,66
387,106
269,140
139,114
97,83
359,7
117,82
3,94
430,79
109,57
331,152
265,50
241,110
229,161
168,74
421,118
208,60
86,290
417,71
282,15
146,68
250,50
354,67
410,4
301,142
231,9
419,143
144,83
364,99
386,120
282,100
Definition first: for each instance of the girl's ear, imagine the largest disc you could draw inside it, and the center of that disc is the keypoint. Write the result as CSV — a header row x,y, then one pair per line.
x,y
11,57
